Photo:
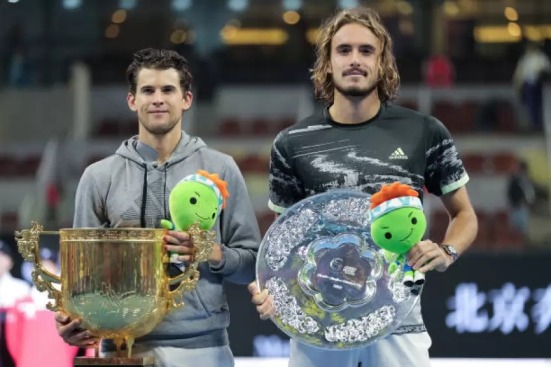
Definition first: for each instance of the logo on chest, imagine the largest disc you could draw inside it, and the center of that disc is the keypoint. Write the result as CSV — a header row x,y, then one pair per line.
x,y
398,154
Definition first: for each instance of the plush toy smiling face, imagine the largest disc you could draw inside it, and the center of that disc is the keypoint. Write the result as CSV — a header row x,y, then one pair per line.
x,y
399,230
196,203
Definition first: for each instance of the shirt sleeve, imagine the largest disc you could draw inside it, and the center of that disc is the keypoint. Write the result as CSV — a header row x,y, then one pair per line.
x,y
285,188
89,208
444,170
239,230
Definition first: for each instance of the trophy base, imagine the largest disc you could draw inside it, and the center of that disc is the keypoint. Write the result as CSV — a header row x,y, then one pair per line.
x,y
115,361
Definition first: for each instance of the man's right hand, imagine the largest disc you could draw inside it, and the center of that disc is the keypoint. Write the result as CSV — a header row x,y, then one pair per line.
x,y
71,332
263,300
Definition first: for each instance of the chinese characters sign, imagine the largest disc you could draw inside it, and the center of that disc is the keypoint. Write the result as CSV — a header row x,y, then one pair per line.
x,y
503,309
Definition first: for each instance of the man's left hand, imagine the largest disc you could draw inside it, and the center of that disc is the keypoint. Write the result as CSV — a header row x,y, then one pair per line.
x,y
427,255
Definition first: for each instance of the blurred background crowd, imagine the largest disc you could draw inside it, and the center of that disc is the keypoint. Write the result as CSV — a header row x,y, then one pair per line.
x,y
480,66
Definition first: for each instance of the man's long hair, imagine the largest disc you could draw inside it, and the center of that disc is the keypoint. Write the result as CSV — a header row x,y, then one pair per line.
x,y
389,79
158,59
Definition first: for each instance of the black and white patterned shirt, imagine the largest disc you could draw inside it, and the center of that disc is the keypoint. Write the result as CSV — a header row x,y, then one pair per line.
x,y
317,154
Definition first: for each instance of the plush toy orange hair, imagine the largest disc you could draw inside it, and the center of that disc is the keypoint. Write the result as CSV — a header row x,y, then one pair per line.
x,y
394,190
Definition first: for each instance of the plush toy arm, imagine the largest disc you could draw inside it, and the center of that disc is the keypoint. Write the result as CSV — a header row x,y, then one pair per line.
x,y
166,224
390,256
392,267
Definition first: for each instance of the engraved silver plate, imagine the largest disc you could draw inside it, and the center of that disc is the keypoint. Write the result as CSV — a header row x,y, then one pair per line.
x,y
330,282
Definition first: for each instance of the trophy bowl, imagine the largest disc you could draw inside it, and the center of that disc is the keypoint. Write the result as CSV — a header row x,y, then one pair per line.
x,y
331,285
114,279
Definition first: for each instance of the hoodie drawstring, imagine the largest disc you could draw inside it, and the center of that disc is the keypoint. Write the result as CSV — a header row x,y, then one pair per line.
x,y
144,197
164,195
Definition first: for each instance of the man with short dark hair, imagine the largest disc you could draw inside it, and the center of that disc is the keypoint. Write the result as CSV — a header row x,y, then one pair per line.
x,y
131,189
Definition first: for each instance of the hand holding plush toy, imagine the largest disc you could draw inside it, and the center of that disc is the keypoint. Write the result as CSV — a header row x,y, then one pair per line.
x,y
195,203
397,224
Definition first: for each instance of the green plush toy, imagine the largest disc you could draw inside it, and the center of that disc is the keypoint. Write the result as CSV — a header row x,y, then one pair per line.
x,y
196,201
397,224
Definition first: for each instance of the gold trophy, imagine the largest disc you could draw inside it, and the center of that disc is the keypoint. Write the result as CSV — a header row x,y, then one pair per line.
x,y
114,280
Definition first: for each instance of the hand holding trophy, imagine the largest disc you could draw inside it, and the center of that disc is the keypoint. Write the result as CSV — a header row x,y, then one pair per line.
x,y
115,280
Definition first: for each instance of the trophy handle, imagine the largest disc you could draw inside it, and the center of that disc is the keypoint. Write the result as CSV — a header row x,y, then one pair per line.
x,y
29,247
203,241
187,281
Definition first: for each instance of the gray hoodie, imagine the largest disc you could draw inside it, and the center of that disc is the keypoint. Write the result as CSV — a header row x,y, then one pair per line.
x,y
110,194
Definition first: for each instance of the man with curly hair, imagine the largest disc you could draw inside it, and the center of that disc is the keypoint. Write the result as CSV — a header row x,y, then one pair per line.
x,y
361,141
131,189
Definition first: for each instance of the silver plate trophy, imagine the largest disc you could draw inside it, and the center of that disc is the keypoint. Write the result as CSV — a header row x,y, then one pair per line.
x,y
329,281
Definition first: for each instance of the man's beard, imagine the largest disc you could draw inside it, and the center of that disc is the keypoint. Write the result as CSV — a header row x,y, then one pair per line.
x,y
355,91
160,130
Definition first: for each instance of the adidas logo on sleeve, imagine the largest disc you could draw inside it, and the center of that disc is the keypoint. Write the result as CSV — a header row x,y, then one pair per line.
x,y
398,154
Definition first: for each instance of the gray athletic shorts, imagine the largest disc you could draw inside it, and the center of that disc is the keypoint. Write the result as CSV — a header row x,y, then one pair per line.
x,y
180,357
